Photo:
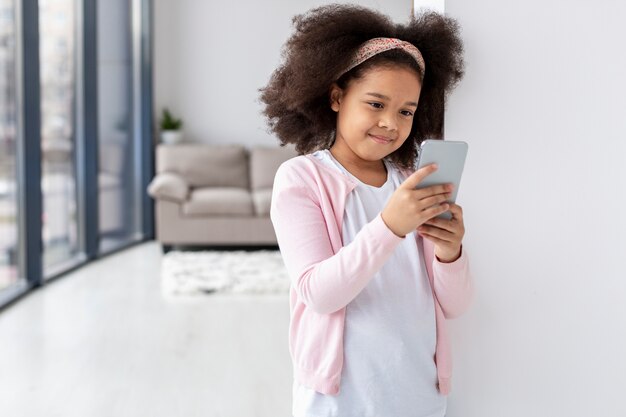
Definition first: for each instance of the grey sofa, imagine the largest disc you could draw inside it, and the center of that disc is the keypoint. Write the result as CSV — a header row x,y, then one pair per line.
x,y
215,195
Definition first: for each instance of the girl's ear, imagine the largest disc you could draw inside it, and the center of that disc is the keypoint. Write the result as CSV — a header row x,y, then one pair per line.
x,y
335,96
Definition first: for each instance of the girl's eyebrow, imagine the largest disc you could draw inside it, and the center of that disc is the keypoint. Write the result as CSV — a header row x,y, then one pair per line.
x,y
410,103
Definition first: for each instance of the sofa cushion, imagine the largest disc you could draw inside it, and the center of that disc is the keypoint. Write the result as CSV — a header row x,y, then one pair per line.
x,y
225,201
204,164
168,186
262,200
264,162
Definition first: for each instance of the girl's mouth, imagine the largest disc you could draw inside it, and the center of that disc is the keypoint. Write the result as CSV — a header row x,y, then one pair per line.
x,y
380,140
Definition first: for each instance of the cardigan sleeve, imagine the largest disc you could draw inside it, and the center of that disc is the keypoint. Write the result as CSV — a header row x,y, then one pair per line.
x,y
454,286
325,281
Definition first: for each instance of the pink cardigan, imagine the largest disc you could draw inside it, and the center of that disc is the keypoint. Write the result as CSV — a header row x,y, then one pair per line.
x,y
307,207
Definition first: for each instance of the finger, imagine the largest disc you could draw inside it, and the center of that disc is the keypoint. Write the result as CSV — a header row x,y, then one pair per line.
x,y
433,191
434,210
435,199
456,210
437,232
434,239
418,176
449,225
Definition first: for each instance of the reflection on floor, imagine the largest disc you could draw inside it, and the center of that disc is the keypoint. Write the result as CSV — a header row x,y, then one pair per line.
x,y
102,342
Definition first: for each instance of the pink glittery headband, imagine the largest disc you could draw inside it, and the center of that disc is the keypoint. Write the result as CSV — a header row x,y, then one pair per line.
x,y
377,45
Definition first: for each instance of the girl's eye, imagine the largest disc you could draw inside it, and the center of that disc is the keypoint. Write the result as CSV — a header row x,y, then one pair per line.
x,y
405,112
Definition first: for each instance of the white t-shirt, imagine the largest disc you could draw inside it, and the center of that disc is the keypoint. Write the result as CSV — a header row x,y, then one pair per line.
x,y
389,334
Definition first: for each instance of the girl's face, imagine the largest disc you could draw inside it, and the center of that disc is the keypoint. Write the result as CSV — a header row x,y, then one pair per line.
x,y
374,115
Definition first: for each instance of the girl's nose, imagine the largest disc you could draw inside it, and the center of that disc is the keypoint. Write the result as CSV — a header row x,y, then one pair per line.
x,y
387,122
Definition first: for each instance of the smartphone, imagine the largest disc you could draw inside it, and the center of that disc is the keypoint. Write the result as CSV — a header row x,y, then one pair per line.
x,y
450,157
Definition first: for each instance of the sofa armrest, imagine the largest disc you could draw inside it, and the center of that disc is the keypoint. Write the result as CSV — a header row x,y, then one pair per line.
x,y
169,186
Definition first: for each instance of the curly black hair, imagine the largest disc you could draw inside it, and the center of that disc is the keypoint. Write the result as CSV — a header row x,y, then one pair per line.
x,y
296,98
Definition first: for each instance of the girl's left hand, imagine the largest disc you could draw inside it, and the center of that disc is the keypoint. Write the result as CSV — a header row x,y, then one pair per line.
x,y
445,234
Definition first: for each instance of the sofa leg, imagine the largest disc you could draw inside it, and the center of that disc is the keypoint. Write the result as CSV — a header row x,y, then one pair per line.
x,y
167,248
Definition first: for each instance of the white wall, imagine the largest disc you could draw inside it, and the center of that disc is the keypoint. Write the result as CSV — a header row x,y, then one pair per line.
x,y
543,108
212,57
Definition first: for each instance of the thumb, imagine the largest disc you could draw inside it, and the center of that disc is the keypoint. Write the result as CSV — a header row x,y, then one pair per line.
x,y
415,178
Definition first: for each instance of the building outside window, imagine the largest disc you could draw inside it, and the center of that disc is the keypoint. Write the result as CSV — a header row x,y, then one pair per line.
x,y
9,212
57,43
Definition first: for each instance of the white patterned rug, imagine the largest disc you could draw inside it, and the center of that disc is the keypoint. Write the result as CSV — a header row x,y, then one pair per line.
x,y
190,273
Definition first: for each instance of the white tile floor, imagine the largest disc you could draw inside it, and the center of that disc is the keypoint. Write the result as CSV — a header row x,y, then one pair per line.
x,y
103,342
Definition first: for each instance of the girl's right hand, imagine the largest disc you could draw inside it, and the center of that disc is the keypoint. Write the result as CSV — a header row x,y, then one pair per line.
x,y
408,208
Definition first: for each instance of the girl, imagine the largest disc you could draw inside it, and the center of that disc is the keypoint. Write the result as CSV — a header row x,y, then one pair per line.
x,y
369,296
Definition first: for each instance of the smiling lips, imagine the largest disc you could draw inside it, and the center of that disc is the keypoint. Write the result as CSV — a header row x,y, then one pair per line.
x,y
380,139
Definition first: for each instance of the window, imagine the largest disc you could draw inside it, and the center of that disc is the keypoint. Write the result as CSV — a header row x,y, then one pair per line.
x,y
75,135
9,201
118,203
57,38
